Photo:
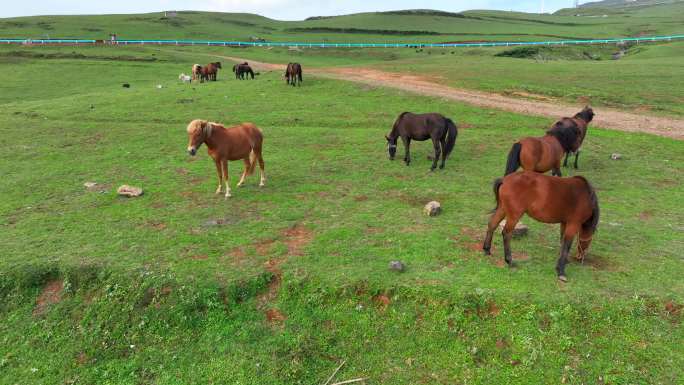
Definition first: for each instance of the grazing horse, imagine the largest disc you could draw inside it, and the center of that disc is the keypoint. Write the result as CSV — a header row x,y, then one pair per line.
x,y
209,71
243,141
541,154
421,127
243,71
581,121
196,71
293,74
572,202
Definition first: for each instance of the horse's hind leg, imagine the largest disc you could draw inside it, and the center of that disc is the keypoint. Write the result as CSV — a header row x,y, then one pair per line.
x,y
444,154
436,144
507,233
566,243
244,173
262,173
565,162
576,158
494,221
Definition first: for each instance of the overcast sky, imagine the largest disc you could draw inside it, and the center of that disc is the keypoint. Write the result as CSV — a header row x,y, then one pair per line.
x,y
277,9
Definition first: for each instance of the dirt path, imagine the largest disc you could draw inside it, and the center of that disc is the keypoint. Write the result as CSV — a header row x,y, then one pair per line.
x,y
606,117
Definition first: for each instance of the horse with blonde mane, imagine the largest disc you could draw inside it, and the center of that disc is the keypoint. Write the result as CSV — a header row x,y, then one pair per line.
x,y
196,71
243,141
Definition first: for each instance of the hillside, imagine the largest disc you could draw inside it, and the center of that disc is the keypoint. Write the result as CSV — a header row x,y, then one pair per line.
x,y
409,26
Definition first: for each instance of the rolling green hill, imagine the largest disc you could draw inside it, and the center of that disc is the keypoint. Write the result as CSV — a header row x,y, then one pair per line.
x,y
410,26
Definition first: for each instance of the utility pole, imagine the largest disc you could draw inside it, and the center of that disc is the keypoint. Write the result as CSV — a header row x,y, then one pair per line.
x,y
576,3
542,7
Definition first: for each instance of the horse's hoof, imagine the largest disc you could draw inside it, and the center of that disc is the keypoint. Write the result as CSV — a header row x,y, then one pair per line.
x,y
487,252
562,278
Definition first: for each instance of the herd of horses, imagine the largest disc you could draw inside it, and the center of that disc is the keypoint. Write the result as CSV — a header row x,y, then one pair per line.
x,y
243,71
570,202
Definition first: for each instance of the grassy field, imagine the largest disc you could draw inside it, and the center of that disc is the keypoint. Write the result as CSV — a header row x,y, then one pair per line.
x,y
401,26
278,285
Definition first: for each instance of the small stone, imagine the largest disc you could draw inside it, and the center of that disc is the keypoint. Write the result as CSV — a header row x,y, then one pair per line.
x,y
616,156
89,185
432,209
397,266
129,191
520,229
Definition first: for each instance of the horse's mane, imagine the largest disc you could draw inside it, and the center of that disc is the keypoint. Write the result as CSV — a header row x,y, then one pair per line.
x,y
396,122
592,223
206,130
565,134
587,114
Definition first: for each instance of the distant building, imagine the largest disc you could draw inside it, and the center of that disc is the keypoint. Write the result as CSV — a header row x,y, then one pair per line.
x,y
170,13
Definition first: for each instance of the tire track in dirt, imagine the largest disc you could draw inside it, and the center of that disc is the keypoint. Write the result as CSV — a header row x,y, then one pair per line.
x,y
605,117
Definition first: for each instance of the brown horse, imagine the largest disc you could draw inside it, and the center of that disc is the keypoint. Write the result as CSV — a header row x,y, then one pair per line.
x,y
441,130
209,71
581,121
243,141
243,71
293,74
572,202
541,154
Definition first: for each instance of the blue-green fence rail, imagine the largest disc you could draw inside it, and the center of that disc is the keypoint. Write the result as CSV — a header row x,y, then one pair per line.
x,y
619,40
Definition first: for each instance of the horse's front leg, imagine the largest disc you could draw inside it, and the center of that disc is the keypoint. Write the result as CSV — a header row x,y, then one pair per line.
x,y
220,176
436,146
565,162
226,178
576,158
407,149
556,171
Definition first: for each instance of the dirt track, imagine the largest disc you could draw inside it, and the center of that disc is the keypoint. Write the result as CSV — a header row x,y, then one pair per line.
x,y
606,117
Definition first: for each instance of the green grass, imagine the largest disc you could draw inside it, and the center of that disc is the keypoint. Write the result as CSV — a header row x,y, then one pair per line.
x,y
427,26
155,293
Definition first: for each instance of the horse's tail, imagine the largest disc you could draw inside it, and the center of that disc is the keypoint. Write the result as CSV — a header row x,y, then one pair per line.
x,y
452,133
252,162
497,185
513,162
592,223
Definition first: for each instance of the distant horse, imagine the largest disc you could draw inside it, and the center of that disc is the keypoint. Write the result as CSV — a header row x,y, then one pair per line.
x,y
293,74
209,71
196,71
572,202
541,154
243,141
421,127
581,121
243,71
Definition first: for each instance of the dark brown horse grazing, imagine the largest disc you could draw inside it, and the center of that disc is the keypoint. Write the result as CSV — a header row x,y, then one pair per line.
x,y
293,74
243,71
541,154
420,127
572,202
243,141
581,121
209,71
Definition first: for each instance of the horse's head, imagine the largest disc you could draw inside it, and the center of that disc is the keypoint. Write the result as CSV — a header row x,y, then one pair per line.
x,y
218,64
198,132
587,114
391,146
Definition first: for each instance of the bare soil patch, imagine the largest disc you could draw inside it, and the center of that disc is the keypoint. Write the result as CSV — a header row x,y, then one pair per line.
x,y
51,294
296,238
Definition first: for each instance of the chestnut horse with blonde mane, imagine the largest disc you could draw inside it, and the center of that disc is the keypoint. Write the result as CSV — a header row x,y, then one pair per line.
x,y
243,141
572,202
541,154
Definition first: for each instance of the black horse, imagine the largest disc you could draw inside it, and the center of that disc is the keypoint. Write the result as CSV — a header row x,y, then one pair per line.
x,y
421,127
243,71
293,74
581,122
